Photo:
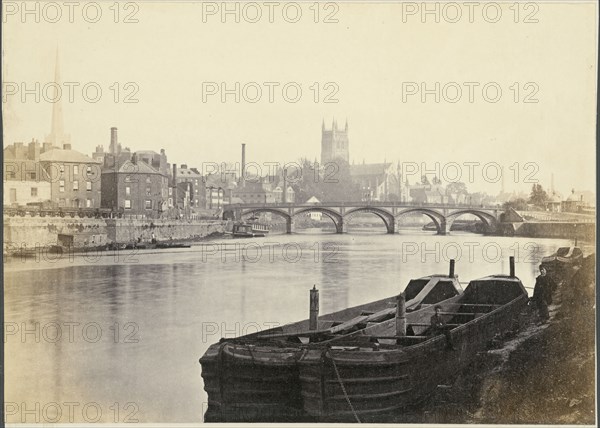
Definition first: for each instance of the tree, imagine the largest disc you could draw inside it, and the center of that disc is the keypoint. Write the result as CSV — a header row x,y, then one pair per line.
x,y
309,183
458,188
337,183
538,195
518,204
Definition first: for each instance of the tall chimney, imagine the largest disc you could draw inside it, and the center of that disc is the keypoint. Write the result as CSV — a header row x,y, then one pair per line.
x,y
243,174
175,185
113,140
284,196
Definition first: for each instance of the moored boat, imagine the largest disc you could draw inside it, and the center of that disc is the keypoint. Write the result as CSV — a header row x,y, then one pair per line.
x,y
249,230
256,377
364,377
564,260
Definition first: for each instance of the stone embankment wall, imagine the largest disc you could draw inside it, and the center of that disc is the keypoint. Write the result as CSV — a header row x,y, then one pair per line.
x,y
125,230
44,231
556,230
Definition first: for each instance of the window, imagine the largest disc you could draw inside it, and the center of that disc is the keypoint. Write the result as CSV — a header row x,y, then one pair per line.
x,y
88,203
148,204
128,179
89,169
61,185
148,179
31,175
75,169
75,185
61,202
127,190
61,168
34,191
88,185
170,191
127,204
148,192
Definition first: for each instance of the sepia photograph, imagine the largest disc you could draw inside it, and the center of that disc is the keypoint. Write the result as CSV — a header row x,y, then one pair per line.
x,y
304,213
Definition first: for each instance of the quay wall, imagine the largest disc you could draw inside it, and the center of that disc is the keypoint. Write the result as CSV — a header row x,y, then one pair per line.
x,y
128,230
44,231
561,230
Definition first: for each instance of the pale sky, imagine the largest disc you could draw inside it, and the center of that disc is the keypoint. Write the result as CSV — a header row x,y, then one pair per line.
x,y
369,55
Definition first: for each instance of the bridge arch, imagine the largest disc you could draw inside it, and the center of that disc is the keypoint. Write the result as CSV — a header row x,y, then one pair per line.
x,y
388,218
335,217
438,219
280,213
490,222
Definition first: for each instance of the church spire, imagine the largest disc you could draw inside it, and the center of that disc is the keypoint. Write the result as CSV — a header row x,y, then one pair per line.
x,y
57,132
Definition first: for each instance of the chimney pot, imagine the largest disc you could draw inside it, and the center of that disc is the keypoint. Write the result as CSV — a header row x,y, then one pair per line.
x,y
66,146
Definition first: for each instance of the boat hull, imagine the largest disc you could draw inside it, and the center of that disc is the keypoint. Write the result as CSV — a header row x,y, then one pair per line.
x,y
379,383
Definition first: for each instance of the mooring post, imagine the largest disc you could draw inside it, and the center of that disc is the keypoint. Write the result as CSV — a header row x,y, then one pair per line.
x,y
511,262
401,315
451,274
314,308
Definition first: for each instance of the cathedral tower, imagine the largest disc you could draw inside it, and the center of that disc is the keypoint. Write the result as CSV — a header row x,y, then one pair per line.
x,y
334,143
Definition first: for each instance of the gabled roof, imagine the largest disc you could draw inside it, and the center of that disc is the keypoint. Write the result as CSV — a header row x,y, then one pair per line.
x,y
62,155
129,167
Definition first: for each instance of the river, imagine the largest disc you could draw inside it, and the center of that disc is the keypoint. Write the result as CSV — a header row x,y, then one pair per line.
x,y
116,338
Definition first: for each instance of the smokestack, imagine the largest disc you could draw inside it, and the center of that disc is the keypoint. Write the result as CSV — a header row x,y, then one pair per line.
x,y
175,185
511,261
451,274
113,140
284,186
243,164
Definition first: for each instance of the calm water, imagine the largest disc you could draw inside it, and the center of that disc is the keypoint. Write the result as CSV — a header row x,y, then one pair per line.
x,y
122,335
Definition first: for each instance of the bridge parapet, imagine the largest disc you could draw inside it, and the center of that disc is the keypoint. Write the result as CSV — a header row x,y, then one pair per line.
x,y
443,215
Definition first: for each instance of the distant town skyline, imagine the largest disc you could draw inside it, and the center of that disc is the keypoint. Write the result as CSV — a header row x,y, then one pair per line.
x,y
169,81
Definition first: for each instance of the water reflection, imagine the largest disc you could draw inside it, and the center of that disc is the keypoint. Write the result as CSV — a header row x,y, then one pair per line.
x,y
159,314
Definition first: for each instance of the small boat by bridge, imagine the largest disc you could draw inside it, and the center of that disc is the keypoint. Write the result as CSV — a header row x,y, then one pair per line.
x,y
249,230
256,377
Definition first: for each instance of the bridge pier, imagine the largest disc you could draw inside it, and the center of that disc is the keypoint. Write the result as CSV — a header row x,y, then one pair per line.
x,y
289,225
444,227
392,226
341,227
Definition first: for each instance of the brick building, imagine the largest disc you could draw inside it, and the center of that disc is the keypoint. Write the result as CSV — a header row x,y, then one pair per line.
x,y
134,184
75,177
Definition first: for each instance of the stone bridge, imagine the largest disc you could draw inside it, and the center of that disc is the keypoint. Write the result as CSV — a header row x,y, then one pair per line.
x,y
442,215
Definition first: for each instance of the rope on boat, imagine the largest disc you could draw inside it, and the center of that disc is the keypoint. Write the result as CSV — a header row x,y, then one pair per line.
x,y
337,373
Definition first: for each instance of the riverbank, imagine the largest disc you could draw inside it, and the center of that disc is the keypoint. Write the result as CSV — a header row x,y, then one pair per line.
x,y
542,374
92,233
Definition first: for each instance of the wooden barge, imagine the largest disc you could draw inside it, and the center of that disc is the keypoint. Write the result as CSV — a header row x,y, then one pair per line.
x,y
258,377
366,377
